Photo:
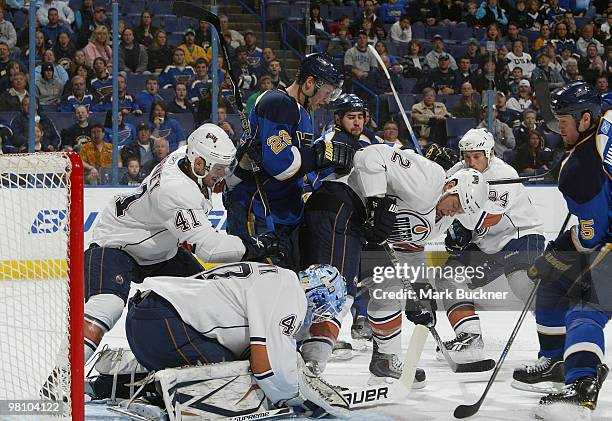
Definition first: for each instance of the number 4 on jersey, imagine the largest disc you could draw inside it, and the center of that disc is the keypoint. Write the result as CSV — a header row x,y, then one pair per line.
x,y
181,222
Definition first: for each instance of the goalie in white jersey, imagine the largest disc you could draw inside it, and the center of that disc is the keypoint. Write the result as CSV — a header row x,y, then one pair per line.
x,y
504,239
239,311
149,232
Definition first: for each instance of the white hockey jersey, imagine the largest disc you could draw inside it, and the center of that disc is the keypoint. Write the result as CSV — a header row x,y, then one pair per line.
x,y
414,180
240,305
167,209
510,200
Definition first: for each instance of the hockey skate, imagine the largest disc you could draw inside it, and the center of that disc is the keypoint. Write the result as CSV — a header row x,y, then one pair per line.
x,y
576,401
342,351
466,347
545,376
387,368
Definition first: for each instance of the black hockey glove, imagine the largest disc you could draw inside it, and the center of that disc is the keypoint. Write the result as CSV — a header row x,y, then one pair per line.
x,y
551,265
266,245
331,153
422,311
249,154
445,157
457,238
382,212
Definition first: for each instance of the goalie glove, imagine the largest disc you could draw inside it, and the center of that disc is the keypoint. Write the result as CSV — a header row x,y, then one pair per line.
x,y
457,238
316,398
382,213
264,245
331,153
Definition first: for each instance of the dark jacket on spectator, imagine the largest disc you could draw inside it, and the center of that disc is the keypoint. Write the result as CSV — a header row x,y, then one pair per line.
x,y
135,60
511,117
139,35
6,138
9,101
452,11
20,132
75,135
421,10
462,110
159,58
134,149
378,82
525,158
173,107
521,135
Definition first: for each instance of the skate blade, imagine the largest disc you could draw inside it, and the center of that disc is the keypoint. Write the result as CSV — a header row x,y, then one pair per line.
x,y
562,412
543,388
376,380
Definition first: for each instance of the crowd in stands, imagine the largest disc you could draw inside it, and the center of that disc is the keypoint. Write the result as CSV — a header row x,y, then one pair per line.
x,y
444,56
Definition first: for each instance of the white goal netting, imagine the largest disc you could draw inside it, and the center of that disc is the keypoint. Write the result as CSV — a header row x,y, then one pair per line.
x,y
35,289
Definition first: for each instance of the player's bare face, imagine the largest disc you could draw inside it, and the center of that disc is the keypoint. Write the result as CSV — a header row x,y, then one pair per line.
x,y
449,205
214,175
568,129
476,160
353,123
322,97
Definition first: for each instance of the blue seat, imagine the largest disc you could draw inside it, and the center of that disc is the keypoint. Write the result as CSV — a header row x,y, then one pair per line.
x,y
19,19
106,175
186,121
137,119
457,51
234,120
552,140
418,31
171,24
97,117
407,101
461,33
509,157
167,94
61,120
532,36
450,100
132,7
46,109
131,20
136,82
175,39
160,8
408,85
457,127
443,31
8,116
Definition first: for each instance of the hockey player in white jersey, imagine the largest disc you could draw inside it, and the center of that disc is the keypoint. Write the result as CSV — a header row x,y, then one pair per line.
x,y
363,207
504,239
240,311
149,232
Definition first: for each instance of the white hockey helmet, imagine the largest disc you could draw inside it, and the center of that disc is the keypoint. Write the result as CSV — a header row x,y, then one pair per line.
x,y
472,189
478,140
211,143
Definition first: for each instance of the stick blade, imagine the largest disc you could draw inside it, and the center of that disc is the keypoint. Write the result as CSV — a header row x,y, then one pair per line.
x,y
466,411
476,367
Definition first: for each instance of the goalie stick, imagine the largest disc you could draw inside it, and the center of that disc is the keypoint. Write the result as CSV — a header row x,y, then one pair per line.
x,y
185,8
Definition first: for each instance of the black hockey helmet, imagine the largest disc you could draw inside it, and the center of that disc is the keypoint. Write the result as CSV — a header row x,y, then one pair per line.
x,y
575,99
322,68
348,103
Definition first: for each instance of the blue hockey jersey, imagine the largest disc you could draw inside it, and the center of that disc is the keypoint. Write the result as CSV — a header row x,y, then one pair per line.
x,y
586,183
173,75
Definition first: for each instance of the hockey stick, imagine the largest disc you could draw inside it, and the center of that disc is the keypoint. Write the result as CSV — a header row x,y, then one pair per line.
x,y
465,411
184,8
399,103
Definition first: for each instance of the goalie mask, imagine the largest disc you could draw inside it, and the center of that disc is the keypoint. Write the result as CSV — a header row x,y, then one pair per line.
x,y
213,145
325,292
478,140
472,189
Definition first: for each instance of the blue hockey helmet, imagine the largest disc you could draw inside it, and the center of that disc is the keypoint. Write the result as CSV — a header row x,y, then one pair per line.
x,y
322,68
325,292
575,99
348,103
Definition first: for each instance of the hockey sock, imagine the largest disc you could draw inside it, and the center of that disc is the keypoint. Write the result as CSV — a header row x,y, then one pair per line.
x,y
387,331
463,318
584,344
101,313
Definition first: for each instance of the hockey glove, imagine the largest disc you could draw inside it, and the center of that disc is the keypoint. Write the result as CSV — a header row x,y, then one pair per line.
x,y
422,311
382,212
445,157
266,245
249,154
457,238
551,265
331,153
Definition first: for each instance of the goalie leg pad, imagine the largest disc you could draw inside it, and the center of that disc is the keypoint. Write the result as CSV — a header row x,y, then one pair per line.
x,y
159,338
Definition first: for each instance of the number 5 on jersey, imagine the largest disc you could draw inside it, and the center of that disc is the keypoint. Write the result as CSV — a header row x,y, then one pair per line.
x,y
183,223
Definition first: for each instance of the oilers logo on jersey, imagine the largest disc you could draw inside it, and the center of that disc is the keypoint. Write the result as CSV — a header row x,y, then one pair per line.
x,y
410,227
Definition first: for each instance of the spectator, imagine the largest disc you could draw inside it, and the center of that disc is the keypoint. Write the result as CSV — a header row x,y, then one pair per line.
x,y
126,131
177,71
42,142
65,13
79,60
132,56
519,14
467,106
544,37
144,33
358,60
473,53
79,133
64,50
450,11
78,96
165,126
571,74
521,133
552,11
102,84
243,71
200,92
535,19
11,70
84,17
424,11
7,32
442,78
96,155
605,27
464,73
11,100
202,34
511,117
253,51
40,46
601,83
368,28
586,39
344,31
369,12
391,133
318,25
150,94
492,35
99,20
391,11
377,80
513,34
518,58
274,70
161,149
562,38
133,175
224,124
591,65
489,78
20,124
127,103
49,88
471,19
515,78
553,62
401,31
160,53
544,71
504,138
236,38
432,58
265,84
6,139
490,12
58,70
54,27
523,100
98,46
529,158
5,59
429,116
140,148
191,49
414,62
181,102
267,57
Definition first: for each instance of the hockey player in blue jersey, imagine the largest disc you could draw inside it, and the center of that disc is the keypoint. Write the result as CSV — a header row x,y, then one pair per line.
x,y
575,268
282,145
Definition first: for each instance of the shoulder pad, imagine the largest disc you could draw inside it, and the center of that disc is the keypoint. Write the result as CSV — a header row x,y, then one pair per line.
x,y
278,107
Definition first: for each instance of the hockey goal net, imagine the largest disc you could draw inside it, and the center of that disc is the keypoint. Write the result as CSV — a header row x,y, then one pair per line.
x,y
41,285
